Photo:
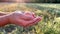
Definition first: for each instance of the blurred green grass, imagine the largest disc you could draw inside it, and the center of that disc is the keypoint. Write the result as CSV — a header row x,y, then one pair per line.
x,y
50,23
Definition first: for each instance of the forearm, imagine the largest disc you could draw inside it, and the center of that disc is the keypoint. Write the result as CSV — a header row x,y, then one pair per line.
x,y
2,13
3,21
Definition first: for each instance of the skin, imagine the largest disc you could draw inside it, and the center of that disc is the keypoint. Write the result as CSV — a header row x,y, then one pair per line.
x,y
3,19
21,19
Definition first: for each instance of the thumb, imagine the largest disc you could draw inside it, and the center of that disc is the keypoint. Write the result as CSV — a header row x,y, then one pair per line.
x,y
30,14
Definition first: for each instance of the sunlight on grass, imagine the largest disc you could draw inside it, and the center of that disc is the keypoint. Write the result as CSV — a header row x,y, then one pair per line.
x,y
50,23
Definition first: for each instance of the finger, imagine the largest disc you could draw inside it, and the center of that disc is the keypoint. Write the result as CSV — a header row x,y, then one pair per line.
x,y
27,23
31,24
20,22
33,14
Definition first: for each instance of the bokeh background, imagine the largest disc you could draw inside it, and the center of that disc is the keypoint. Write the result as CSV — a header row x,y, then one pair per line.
x,y
32,1
50,23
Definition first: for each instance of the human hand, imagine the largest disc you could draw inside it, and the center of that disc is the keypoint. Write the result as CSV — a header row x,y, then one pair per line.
x,y
25,19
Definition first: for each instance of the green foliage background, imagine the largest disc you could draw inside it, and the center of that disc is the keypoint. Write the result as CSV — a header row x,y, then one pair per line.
x,y
50,23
